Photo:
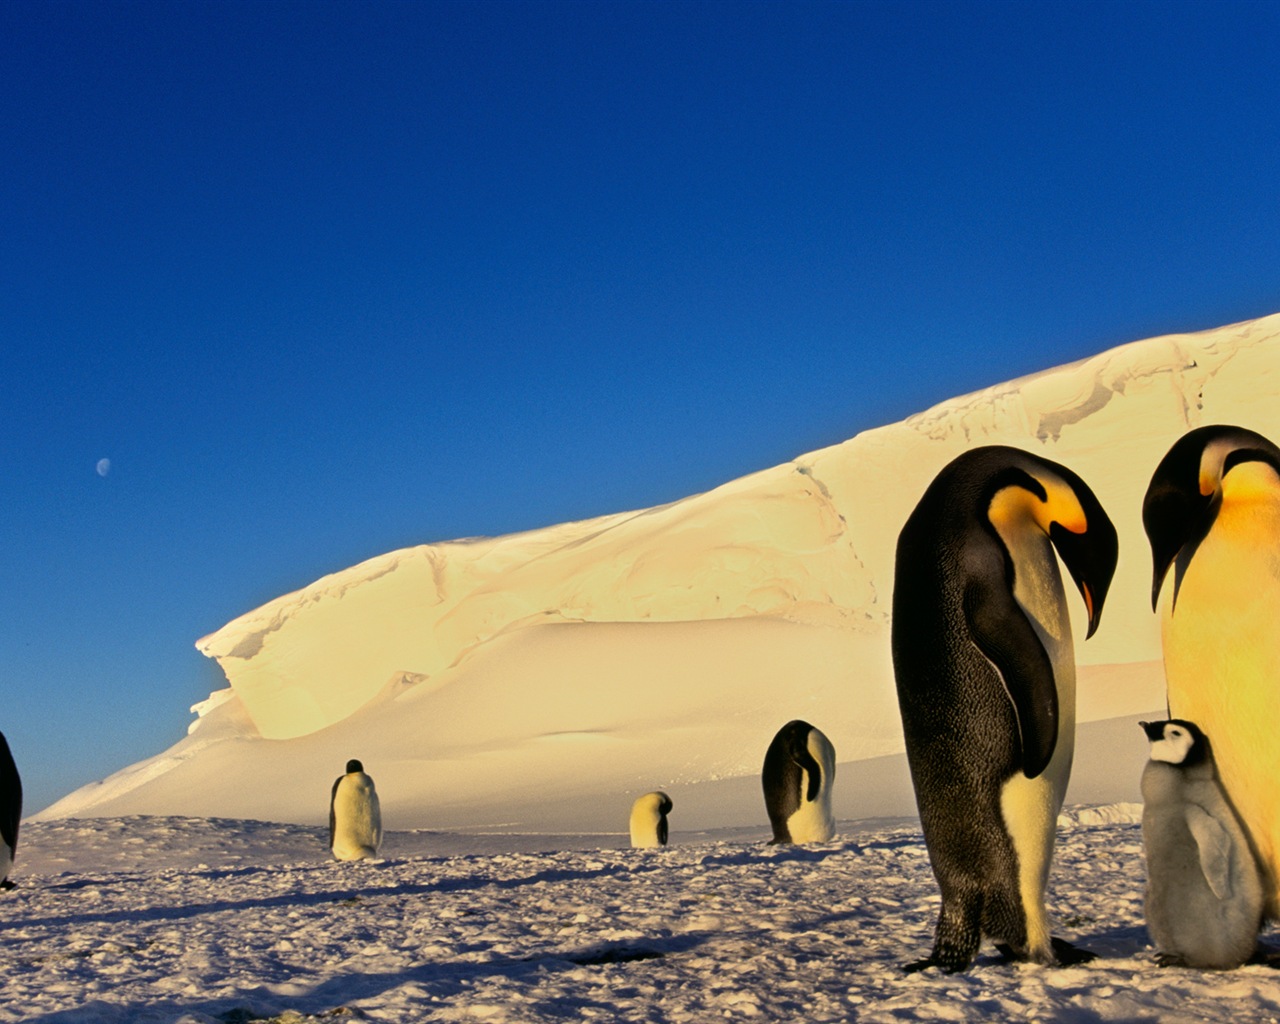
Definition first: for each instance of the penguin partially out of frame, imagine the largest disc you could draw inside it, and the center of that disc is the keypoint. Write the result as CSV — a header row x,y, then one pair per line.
x,y
1212,515
649,820
355,816
985,671
10,812
1204,892
798,774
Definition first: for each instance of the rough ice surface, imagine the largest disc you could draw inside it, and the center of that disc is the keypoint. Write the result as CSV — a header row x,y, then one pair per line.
x,y
123,921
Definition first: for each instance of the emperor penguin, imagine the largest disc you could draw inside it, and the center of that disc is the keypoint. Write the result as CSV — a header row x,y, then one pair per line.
x,y
799,770
985,671
1212,515
1204,893
649,820
355,816
10,812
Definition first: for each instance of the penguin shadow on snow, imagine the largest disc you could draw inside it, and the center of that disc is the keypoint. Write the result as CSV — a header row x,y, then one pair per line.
x,y
320,898
770,854
446,981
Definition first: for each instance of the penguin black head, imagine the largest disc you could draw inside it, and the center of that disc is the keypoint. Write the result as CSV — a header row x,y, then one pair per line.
x,y
1185,492
664,803
1065,508
354,766
1177,742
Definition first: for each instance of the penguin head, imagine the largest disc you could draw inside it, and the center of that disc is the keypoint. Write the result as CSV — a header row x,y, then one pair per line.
x,y
664,802
1186,491
1060,504
1177,742
354,766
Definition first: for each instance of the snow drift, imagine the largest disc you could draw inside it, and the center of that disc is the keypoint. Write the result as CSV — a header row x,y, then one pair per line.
x,y
542,680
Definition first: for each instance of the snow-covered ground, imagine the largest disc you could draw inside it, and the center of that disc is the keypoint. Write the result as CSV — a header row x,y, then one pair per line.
x,y
218,920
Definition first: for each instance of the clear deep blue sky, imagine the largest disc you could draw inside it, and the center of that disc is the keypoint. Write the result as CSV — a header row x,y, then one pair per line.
x,y
322,280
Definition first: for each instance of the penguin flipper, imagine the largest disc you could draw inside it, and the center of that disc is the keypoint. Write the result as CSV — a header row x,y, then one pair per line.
x,y
806,761
333,817
1003,634
1214,846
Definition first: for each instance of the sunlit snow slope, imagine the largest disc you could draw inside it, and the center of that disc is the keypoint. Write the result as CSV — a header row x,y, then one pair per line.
x,y
542,680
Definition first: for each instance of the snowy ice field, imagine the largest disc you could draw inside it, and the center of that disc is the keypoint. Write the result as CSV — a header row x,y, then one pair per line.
x,y
219,921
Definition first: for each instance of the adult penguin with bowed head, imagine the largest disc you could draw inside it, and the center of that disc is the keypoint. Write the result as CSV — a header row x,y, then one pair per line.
x,y
799,770
1212,515
649,820
1204,895
985,669
355,816
10,811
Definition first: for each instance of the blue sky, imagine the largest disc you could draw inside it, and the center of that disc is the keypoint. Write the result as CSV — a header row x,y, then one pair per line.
x,y
322,280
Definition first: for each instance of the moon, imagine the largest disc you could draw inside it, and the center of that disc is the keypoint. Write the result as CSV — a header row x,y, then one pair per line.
x,y
104,467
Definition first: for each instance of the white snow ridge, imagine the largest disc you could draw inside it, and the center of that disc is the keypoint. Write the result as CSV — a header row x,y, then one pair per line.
x,y
514,695
542,681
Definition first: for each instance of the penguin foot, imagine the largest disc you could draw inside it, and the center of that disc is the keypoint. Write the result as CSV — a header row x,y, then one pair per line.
x,y
952,963
1069,955
8,883
1064,954
1265,956
1170,960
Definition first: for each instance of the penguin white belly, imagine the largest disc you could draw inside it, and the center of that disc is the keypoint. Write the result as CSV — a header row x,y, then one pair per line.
x,y
357,820
1030,806
1222,663
813,822
6,860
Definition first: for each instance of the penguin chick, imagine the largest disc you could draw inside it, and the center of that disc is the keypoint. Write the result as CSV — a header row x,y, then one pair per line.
x,y
1204,896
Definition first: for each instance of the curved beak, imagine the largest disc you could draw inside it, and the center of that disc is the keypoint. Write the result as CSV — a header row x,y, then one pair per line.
x,y
1090,558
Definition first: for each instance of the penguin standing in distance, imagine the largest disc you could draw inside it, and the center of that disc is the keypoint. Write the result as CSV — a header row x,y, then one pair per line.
x,y
1204,893
1212,515
355,816
799,770
985,671
649,820
10,812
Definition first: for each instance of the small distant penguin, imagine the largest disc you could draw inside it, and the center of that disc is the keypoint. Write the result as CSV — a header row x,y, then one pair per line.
x,y
985,671
1212,515
649,820
799,771
10,812
1204,892
355,817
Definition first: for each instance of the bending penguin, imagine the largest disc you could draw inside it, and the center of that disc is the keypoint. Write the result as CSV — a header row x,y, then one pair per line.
x,y
355,816
649,819
985,670
10,812
799,770
1204,894
1212,515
